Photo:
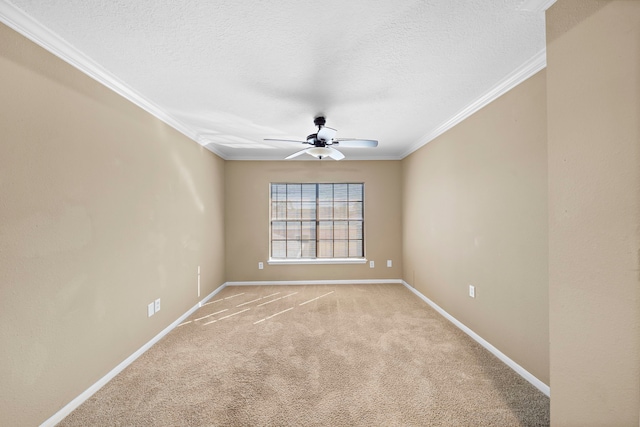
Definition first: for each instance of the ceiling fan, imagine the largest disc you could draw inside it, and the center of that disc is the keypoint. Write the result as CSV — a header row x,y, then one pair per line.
x,y
323,141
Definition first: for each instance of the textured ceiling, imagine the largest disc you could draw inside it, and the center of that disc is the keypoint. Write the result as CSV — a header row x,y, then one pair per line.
x,y
229,73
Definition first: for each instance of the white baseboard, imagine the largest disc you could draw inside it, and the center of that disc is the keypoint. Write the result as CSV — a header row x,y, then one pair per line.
x,y
68,408
510,363
315,282
79,400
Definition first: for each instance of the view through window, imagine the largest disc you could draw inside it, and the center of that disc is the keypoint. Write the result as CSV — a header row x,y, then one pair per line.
x,y
317,220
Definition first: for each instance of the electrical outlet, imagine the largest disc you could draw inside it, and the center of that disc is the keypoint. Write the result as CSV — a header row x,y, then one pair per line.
x,y
157,305
372,264
389,263
260,265
150,309
472,291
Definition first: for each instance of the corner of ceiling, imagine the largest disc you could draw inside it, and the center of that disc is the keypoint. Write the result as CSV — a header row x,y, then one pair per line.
x,y
32,29
513,79
536,5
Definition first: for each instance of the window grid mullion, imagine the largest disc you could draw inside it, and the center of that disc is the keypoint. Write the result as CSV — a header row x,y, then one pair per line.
x,y
317,219
294,214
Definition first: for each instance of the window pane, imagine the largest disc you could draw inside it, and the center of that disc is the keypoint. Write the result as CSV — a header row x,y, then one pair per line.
x,y
279,192
278,230
308,210
309,193
294,192
340,230
309,230
340,192
325,249
355,192
355,248
279,249
355,230
340,249
308,248
325,210
293,230
340,210
325,192
317,220
278,210
293,249
355,210
293,210
325,230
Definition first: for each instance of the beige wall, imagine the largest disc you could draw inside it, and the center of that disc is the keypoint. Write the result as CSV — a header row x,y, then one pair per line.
x,y
475,213
247,217
103,209
593,58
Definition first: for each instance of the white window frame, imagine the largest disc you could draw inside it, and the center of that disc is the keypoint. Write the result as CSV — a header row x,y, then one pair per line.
x,y
322,260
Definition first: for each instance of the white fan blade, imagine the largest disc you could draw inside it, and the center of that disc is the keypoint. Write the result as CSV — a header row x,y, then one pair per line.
x,y
326,134
296,154
285,140
350,142
335,154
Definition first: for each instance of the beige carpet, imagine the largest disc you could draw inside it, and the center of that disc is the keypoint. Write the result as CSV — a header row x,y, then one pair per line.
x,y
345,355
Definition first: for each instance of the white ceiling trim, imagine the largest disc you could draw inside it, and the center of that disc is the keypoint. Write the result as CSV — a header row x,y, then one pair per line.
x,y
15,18
309,159
536,5
24,24
526,70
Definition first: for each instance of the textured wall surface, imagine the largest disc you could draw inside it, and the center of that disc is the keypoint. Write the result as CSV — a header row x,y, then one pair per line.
x,y
247,218
593,79
475,213
103,209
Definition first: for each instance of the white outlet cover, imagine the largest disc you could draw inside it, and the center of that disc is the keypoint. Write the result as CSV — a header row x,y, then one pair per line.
x,y
260,266
389,263
472,291
372,264
150,309
157,305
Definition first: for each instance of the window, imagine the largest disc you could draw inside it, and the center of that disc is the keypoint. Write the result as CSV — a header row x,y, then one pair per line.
x,y
317,221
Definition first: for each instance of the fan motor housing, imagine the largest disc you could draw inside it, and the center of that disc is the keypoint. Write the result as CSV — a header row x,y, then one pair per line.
x,y
313,140
319,121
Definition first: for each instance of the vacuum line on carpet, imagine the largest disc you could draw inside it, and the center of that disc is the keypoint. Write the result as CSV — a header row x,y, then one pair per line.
x,y
307,302
209,315
233,296
273,315
213,302
227,316
273,300
249,302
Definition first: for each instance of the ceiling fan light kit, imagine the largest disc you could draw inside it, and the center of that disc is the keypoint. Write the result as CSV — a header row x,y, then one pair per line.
x,y
320,152
323,140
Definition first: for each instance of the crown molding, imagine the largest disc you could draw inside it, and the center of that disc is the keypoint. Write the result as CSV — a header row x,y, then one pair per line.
x,y
536,5
277,159
522,73
33,30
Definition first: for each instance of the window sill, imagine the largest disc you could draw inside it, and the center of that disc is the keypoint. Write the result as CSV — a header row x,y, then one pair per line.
x,y
299,261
